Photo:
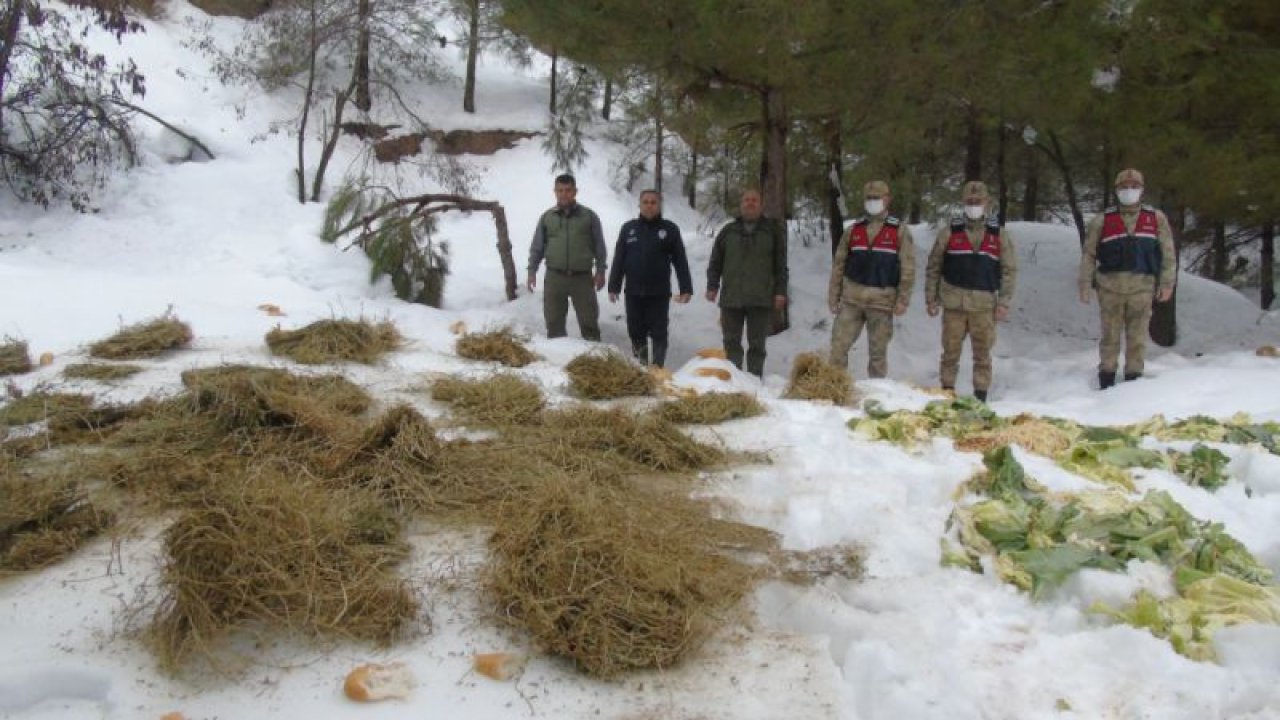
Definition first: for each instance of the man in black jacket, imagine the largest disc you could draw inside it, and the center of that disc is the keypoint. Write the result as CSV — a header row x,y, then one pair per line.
x,y
648,247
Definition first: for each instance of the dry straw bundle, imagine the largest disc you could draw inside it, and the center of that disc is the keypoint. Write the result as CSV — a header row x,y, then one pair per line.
x,y
146,339
647,442
269,551
69,418
813,378
248,397
604,374
500,345
14,359
101,372
43,522
1034,434
710,408
497,401
610,576
326,341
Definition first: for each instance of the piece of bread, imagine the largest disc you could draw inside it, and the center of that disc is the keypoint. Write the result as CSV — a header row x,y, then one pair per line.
x,y
46,359
720,373
173,716
1268,351
711,354
498,665
458,328
373,682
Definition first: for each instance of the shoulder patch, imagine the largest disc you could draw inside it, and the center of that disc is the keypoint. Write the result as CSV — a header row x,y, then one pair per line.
x,y
892,220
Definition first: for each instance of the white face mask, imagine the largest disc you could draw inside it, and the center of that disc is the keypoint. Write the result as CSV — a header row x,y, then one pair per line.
x,y
1129,196
975,212
874,207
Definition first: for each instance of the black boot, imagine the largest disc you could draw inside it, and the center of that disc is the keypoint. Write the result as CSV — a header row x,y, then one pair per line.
x,y
641,352
660,352
1132,376
1106,379
980,394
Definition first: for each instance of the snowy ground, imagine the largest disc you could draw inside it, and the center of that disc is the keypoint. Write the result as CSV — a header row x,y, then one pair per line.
x,y
214,240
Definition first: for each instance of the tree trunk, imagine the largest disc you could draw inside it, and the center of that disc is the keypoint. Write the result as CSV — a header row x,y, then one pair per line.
x,y
1060,159
773,166
835,173
691,183
607,107
12,23
555,61
917,211
1218,269
307,96
1000,174
1163,327
363,100
1267,274
473,52
1031,190
332,133
973,146
659,135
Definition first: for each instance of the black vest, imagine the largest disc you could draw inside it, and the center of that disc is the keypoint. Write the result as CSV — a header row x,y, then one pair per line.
x,y
970,268
1122,251
874,262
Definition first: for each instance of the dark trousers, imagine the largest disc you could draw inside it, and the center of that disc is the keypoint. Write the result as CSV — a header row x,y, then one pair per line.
x,y
558,290
758,321
648,316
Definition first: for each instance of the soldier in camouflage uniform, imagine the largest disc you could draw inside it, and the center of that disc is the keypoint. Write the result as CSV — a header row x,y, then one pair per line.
x,y
569,236
971,277
1129,257
747,274
871,278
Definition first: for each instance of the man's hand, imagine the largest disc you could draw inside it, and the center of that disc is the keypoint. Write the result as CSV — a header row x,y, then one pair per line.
x,y
1164,294
613,297
1084,296
932,309
599,280
712,294
683,298
1002,313
779,301
900,309
533,281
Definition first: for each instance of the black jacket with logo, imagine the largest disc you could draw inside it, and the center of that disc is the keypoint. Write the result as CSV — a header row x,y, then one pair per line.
x,y
644,256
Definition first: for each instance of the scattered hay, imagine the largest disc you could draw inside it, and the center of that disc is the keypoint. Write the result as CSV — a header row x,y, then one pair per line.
x,y
1033,433
44,522
144,340
249,397
14,359
41,406
269,552
647,441
710,408
497,345
600,375
69,418
395,457
497,401
101,372
326,341
807,567
612,577
813,378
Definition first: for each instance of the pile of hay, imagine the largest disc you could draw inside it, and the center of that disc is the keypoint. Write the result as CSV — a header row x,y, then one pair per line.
x,y
710,408
1033,433
600,375
612,577
101,372
807,567
813,378
647,442
497,345
69,418
496,401
326,341
144,340
43,522
41,406
248,397
271,552
14,359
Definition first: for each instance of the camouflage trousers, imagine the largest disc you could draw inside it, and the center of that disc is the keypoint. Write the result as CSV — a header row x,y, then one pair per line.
x,y
560,288
1127,314
848,326
980,328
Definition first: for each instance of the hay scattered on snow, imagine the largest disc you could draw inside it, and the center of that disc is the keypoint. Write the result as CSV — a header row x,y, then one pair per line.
x,y
146,339
496,345
247,397
612,577
43,522
272,553
101,372
604,374
497,401
14,359
807,567
1033,433
813,378
648,441
41,406
326,341
710,408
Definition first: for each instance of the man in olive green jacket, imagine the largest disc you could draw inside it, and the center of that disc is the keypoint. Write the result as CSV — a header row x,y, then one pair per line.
x,y
570,238
1129,257
872,274
748,275
971,276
